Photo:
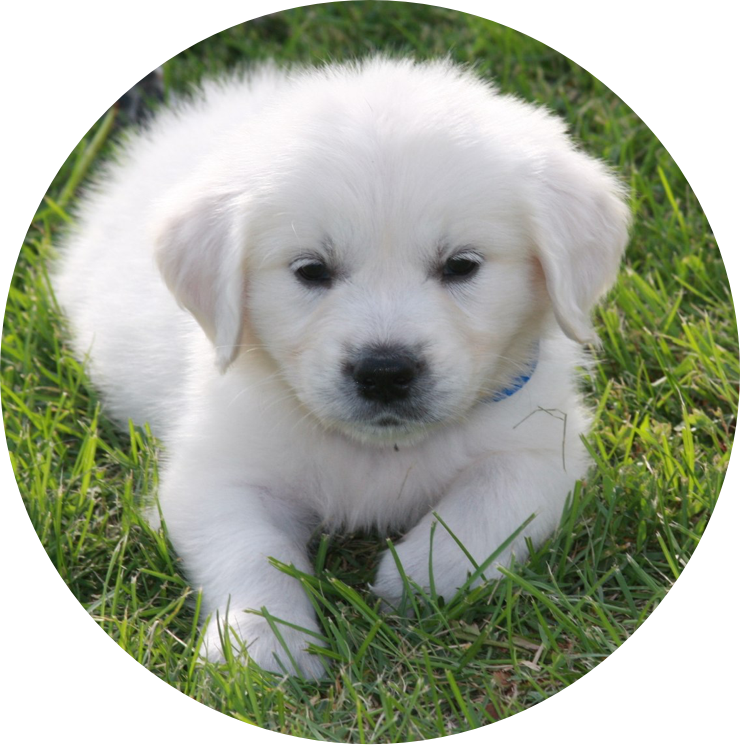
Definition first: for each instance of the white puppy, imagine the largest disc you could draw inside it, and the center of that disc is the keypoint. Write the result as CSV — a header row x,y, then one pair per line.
x,y
346,297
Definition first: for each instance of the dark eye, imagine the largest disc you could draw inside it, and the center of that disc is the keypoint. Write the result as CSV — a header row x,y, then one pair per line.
x,y
313,272
463,266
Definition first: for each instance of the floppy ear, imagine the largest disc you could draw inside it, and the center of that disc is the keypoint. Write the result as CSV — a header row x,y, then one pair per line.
x,y
199,253
581,224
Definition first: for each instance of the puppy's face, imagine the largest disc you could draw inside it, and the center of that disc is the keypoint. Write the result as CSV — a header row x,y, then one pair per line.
x,y
397,290
392,236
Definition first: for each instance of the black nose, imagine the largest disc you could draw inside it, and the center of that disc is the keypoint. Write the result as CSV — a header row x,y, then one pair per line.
x,y
385,376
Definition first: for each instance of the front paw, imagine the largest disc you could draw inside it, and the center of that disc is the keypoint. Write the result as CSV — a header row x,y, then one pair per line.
x,y
392,585
250,636
450,567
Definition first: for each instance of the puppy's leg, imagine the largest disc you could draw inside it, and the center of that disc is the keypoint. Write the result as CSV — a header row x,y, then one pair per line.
x,y
225,535
486,504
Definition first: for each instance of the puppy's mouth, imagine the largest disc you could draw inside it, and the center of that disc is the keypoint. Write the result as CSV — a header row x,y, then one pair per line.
x,y
389,427
385,422
402,422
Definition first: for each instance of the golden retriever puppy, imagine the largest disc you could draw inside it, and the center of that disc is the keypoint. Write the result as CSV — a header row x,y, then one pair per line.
x,y
346,297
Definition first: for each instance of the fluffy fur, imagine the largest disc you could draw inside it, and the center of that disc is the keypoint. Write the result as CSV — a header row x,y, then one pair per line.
x,y
184,284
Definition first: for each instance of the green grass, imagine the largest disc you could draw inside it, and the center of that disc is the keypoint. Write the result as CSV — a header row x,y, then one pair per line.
x,y
665,389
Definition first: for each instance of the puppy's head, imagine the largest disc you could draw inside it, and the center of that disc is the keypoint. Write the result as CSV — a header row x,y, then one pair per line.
x,y
395,237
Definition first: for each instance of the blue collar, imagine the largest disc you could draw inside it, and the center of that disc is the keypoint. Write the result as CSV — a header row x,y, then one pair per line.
x,y
518,382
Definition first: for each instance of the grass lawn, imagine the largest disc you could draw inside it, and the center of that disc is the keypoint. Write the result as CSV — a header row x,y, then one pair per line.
x,y
665,389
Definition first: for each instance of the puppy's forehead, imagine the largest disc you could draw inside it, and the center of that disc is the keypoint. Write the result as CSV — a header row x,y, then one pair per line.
x,y
344,227
403,168
394,193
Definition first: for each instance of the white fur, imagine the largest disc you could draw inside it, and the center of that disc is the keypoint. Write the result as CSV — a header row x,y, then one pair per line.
x,y
386,166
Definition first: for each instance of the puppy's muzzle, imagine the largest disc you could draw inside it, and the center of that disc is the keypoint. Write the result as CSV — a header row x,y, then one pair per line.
x,y
385,375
